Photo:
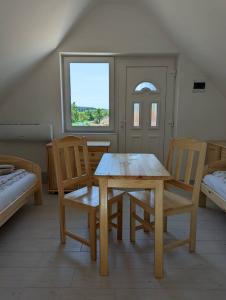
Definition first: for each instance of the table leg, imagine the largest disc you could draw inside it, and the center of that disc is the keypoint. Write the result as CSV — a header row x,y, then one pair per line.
x,y
159,230
103,227
146,214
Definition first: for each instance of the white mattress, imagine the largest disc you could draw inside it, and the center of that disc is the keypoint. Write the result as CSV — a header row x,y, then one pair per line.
x,y
217,182
13,185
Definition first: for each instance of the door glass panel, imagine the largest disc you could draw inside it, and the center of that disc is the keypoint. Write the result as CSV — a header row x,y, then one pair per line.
x,y
145,86
136,114
154,115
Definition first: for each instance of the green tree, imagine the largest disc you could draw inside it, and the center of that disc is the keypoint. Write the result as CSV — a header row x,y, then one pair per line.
x,y
105,112
90,114
74,113
99,115
82,116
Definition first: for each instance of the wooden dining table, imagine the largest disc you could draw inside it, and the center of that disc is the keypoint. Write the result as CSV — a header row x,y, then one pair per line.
x,y
136,171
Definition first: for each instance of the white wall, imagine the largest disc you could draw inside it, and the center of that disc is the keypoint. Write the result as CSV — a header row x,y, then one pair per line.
x,y
120,29
199,115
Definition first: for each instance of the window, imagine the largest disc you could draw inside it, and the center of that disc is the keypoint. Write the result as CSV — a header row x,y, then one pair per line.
x,y
145,86
88,93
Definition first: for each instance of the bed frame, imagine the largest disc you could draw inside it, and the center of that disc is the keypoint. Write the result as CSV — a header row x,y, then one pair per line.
x,y
35,189
207,192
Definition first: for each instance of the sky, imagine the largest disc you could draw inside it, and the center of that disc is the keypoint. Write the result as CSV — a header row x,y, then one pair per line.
x,y
90,84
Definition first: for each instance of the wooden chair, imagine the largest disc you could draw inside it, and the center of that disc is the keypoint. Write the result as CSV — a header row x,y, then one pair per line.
x,y
181,195
72,168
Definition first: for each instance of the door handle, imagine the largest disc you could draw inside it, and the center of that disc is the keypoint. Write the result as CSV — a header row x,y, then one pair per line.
x,y
122,124
171,123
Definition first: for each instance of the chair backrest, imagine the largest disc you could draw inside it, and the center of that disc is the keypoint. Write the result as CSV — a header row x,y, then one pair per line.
x,y
71,161
185,162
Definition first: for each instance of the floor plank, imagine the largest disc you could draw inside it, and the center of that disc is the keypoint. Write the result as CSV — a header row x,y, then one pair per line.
x,y
34,265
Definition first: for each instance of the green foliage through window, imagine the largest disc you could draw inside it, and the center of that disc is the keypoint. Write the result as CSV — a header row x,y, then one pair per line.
x,y
89,116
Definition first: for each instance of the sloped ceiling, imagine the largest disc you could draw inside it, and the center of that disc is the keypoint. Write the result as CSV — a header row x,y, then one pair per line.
x,y
198,27
30,30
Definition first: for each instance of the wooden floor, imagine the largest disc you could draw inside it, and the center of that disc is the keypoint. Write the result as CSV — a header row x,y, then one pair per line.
x,y
33,264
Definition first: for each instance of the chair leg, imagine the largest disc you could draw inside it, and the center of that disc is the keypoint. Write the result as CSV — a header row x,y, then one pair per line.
x,y
132,221
62,224
88,221
119,219
146,219
193,225
92,234
165,224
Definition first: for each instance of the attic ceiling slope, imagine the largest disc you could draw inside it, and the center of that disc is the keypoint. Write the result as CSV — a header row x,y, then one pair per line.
x,y
30,30
198,28
119,26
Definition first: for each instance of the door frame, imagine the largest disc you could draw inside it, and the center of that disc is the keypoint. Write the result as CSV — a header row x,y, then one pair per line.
x,y
121,64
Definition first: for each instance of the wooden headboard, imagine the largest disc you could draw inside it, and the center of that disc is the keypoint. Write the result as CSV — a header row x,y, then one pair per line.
x,y
21,163
218,165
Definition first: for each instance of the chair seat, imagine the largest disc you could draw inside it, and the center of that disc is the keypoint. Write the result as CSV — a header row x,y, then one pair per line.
x,y
89,196
171,201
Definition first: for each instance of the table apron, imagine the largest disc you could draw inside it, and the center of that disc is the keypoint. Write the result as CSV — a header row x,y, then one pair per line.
x,y
134,183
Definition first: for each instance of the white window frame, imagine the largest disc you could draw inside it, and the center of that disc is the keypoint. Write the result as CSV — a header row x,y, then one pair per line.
x,y
66,95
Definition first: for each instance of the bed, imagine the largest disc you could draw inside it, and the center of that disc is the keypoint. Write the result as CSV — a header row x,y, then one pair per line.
x,y
214,184
17,187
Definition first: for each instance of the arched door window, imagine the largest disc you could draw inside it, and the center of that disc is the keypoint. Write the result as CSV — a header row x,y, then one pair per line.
x,y
146,86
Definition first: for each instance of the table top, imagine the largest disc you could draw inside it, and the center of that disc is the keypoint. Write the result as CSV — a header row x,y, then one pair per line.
x,y
131,165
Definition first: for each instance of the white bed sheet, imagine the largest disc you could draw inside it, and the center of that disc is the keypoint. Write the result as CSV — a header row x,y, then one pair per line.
x,y
13,185
217,182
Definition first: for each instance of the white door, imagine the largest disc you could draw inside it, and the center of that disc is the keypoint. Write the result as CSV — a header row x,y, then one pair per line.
x,y
145,109
145,97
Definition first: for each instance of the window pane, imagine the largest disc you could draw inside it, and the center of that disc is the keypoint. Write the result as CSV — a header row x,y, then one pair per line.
x,y
136,114
89,87
154,114
145,86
